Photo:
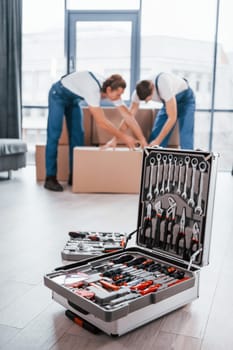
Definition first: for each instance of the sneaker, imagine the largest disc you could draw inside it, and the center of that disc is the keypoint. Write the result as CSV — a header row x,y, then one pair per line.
x,y
70,180
52,184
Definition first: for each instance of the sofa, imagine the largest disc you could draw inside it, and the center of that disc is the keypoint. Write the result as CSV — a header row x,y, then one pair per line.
x,y
12,155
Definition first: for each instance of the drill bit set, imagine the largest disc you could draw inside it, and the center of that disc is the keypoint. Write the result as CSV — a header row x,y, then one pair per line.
x,y
120,290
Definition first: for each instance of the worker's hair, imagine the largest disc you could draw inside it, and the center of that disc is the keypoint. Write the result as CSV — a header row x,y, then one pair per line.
x,y
114,82
144,89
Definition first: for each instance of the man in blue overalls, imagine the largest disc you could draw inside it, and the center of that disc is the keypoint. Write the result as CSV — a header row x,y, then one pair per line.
x,y
178,105
64,99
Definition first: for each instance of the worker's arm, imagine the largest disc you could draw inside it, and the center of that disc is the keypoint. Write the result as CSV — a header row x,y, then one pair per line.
x,y
130,121
124,126
104,123
133,110
171,109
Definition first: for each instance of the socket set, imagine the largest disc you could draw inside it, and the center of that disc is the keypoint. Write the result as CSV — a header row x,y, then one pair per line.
x,y
122,290
85,244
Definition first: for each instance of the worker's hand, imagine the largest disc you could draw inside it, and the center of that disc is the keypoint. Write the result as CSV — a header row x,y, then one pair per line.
x,y
110,144
143,143
154,143
130,141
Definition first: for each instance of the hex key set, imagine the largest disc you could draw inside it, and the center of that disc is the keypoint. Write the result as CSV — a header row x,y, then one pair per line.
x,y
124,289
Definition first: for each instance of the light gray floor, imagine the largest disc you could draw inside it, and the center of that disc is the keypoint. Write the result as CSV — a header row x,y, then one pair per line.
x,y
34,224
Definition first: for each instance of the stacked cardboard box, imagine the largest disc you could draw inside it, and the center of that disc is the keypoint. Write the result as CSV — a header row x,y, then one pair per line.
x,y
119,164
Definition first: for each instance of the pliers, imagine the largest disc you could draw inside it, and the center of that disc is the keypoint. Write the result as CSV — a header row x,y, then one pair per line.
x,y
170,219
147,225
181,235
195,243
159,214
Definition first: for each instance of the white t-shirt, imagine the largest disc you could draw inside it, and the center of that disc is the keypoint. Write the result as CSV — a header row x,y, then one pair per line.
x,y
85,86
168,85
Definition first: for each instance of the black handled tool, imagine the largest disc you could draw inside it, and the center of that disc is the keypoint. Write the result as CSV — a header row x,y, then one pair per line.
x,y
159,214
169,223
181,236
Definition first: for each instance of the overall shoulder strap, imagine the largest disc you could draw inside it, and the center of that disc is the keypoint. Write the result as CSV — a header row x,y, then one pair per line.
x,y
94,77
157,88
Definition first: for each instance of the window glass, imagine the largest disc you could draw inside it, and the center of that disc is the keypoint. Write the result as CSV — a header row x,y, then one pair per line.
x,y
223,139
43,62
103,4
224,73
178,36
43,48
105,48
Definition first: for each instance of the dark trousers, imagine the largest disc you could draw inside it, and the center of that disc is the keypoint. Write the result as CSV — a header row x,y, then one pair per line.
x,y
185,118
63,102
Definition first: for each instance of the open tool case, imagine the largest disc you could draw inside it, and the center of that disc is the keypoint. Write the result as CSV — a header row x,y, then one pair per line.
x,y
121,291
86,244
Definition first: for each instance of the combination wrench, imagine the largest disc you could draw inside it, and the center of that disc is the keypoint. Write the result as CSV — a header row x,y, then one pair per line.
x,y
149,194
162,190
202,167
194,163
179,178
170,157
187,161
174,172
156,190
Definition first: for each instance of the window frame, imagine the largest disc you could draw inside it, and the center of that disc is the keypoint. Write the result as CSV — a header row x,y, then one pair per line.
x,y
133,16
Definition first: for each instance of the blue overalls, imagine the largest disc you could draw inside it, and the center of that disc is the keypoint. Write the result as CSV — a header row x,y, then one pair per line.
x,y
185,116
63,102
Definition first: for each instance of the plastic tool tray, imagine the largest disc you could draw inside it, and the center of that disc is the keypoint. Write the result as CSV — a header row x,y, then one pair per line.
x,y
85,244
173,242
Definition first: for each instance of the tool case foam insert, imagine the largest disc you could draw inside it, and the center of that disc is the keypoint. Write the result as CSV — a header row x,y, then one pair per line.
x,y
121,291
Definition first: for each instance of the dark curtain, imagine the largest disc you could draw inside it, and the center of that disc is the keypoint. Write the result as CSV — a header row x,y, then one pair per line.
x,y
10,68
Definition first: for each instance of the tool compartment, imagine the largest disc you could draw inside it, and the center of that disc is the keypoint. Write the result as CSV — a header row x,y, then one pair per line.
x,y
86,244
122,290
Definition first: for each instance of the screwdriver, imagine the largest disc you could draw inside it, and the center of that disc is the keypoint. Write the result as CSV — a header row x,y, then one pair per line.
x,y
136,261
123,258
142,285
150,289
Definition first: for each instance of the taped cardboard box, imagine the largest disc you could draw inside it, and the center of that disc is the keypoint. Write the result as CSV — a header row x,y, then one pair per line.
x,y
87,124
144,118
62,163
106,171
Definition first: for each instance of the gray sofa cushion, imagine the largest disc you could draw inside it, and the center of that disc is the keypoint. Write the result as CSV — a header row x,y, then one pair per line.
x,y
12,146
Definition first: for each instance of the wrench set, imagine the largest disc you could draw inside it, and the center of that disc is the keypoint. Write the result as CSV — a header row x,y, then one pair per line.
x,y
122,289
85,244
174,197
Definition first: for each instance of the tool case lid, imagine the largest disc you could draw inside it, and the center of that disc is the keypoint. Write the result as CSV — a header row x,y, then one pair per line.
x,y
176,203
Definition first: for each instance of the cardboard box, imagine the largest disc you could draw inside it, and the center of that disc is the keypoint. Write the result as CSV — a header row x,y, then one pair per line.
x,y
106,171
87,124
62,163
144,118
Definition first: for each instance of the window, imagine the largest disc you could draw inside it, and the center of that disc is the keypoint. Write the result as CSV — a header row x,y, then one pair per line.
x,y
104,42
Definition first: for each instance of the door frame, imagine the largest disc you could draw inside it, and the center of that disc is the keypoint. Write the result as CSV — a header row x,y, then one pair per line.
x,y
132,16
